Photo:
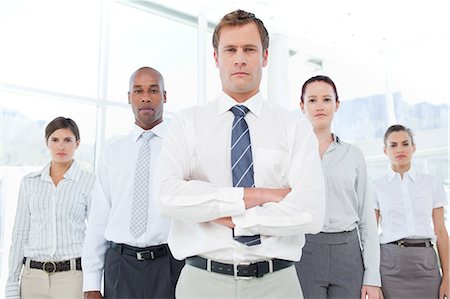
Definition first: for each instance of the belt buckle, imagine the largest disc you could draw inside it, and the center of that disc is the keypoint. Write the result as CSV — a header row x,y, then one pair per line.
x,y
53,264
236,270
401,243
140,255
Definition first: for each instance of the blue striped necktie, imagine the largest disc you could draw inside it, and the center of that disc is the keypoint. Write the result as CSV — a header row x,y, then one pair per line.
x,y
242,161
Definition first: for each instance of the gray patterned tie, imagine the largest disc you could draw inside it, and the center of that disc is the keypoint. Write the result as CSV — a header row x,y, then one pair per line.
x,y
242,161
139,211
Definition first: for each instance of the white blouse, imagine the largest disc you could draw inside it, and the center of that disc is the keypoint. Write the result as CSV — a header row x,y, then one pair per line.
x,y
50,220
406,205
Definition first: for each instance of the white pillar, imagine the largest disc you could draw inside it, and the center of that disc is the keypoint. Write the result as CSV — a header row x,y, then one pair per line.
x,y
202,23
278,70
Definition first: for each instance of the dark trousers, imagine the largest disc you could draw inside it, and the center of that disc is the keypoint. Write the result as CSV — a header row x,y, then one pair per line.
x,y
127,277
331,266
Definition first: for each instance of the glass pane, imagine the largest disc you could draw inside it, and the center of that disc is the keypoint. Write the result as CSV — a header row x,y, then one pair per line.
x,y
139,39
119,121
50,45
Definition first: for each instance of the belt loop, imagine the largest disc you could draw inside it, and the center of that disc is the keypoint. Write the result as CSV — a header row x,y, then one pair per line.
x,y
208,265
73,264
270,266
27,262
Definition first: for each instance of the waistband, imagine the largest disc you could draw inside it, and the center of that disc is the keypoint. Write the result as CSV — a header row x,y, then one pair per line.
x,y
412,243
333,238
239,271
141,253
52,267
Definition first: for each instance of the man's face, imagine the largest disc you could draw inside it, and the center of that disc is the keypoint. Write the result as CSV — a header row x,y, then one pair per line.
x,y
240,60
147,97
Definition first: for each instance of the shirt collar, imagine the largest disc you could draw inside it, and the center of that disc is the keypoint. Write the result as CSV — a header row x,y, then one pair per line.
x,y
73,173
254,104
411,174
159,130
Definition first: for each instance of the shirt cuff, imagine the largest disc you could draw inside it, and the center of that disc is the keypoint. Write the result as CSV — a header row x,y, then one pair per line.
x,y
245,224
92,281
234,196
12,290
372,279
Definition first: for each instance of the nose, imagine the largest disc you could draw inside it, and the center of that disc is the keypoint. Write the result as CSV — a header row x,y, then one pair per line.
x,y
239,58
146,97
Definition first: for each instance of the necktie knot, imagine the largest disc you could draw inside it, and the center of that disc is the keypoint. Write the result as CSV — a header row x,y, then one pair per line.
x,y
239,110
147,135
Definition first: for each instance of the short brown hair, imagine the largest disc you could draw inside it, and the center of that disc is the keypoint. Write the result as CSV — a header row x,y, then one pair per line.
x,y
62,123
238,18
398,128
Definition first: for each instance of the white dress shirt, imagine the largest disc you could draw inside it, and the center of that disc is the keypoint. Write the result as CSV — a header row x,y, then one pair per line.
x,y
406,205
50,220
349,204
113,200
196,182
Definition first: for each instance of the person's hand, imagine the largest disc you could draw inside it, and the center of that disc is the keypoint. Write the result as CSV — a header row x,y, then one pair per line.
x,y
444,290
225,221
93,295
371,292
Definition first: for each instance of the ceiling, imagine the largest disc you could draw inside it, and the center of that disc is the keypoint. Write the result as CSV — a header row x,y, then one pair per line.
x,y
324,29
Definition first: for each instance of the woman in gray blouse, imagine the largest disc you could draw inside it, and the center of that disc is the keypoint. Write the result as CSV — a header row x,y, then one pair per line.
x,y
342,261
48,233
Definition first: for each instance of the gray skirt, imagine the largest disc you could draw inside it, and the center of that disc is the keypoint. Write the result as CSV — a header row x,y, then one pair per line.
x,y
409,272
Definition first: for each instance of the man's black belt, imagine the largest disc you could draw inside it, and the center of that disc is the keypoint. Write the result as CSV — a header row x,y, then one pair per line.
x,y
406,243
52,267
239,271
141,253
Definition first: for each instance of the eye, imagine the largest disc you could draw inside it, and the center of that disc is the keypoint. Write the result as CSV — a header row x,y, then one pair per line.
x,y
327,100
230,50
154,91
311,100
137,91
54,139
249,49
68,140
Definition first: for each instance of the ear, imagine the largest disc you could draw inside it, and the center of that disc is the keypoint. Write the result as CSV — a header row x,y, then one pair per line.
x,y
165,96
414,148
338,103
265,57
302,106
129,100
78,143
216,58
385,150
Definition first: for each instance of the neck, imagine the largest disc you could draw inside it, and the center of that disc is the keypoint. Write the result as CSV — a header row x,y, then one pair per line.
x,y
325,139
242,97
59,169
401,169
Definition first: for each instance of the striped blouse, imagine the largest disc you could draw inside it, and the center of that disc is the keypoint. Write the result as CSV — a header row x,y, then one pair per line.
x,y
50,220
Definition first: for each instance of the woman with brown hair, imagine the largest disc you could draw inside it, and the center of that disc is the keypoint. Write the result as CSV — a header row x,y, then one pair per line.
x,y
48,233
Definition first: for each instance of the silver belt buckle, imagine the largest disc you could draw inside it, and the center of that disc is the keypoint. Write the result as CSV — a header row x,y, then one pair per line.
x,y
140,255
235,272
44,267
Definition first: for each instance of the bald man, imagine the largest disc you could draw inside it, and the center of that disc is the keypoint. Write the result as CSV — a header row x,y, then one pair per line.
x,y
126,237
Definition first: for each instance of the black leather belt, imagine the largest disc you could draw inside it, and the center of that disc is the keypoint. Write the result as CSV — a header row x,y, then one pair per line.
x,y
406,243
141,253
239,271
52,267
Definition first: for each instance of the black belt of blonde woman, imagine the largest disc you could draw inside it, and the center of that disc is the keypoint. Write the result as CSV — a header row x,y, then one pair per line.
x,y
411,243
52,267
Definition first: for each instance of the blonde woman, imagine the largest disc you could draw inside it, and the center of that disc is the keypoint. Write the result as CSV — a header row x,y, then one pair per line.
x,y
406,203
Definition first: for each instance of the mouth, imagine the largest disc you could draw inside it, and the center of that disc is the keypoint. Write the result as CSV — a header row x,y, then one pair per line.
x,y
400,157
320,115
240,74
146,109
61,154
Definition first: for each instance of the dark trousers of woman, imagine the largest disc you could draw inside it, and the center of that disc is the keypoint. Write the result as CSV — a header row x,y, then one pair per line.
x,y
331,266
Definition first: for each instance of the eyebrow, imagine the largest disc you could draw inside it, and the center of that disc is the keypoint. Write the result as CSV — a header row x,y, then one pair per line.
x,y
140,86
